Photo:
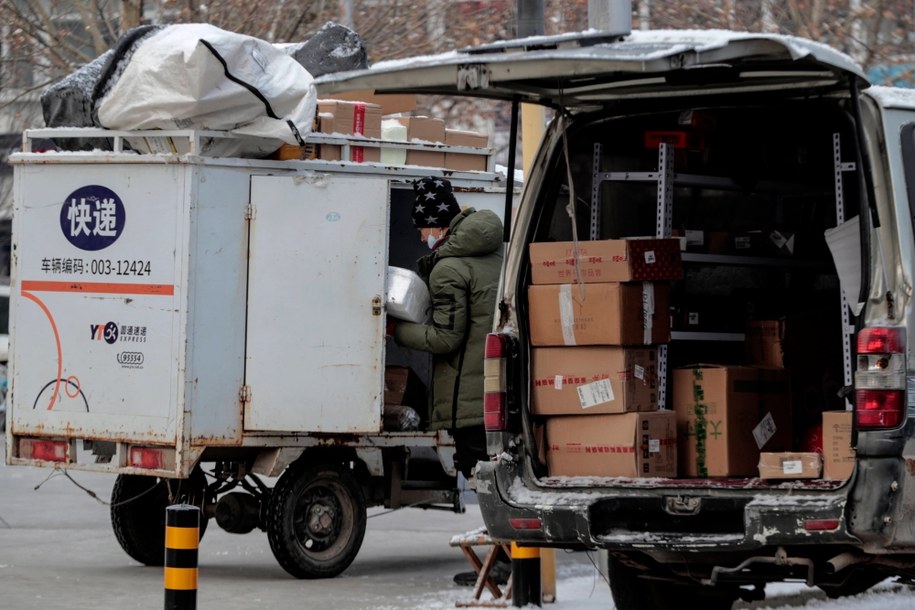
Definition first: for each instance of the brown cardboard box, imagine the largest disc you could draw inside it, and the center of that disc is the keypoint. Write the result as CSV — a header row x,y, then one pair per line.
x,y
608,260
599,314
404,387
463,161
357,118
726,415
764,343
789,465
290,151
426,129
618,445
838,454
390,103
592,380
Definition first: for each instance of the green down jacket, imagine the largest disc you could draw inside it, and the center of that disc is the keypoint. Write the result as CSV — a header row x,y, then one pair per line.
x,y
463,276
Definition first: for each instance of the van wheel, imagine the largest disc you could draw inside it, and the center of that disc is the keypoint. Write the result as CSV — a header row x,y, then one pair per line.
x,y
138,506
316,520
630,590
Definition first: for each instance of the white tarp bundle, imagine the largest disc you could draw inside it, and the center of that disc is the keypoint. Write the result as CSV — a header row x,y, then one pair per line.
x,y
197,76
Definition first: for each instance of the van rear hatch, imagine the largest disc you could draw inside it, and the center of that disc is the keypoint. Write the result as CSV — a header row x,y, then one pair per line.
x,y
582,70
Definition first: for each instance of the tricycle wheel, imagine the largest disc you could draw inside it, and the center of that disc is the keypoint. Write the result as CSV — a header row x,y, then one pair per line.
x,y
138,506
316,520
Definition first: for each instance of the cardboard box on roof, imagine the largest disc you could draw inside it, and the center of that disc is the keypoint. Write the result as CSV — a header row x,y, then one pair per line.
x,y
426,129
350,118
390,103
642,444
611,313
726,415
789,465
608,260
466,161
592,380
838,453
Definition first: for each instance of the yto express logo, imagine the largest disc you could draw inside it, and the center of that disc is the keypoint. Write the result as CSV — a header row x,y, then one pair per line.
x,y
92,217
104,332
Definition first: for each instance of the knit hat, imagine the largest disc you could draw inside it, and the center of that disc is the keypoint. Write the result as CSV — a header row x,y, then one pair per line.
x,y
435,205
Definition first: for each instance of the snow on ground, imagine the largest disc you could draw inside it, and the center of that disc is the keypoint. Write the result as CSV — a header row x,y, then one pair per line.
x,y
580,587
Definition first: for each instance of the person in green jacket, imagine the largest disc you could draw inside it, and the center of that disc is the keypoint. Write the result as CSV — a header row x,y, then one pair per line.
x,y
462,273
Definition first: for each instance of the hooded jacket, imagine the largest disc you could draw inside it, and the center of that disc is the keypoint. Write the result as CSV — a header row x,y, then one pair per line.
x,y
463,276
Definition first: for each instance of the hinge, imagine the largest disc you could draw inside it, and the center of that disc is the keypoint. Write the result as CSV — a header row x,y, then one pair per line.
x,y
249,212
244,393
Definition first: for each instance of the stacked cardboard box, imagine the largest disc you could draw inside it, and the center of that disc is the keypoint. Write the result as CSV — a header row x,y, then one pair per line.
x,y
726,416
350,118
597,311
361,113
466,161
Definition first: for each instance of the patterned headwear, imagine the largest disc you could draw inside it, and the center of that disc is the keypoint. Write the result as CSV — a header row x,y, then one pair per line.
x,y
434,205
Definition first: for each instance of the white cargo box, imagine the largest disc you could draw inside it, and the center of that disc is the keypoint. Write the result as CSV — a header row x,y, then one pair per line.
x,y
199,302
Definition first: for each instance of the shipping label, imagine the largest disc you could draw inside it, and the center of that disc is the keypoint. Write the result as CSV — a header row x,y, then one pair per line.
x,y
596,393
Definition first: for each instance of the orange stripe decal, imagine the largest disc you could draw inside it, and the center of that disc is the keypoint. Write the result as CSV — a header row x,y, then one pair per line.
x,y
60,354
98,287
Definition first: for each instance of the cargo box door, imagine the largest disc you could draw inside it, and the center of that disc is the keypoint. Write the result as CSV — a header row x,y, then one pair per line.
x,y
316,282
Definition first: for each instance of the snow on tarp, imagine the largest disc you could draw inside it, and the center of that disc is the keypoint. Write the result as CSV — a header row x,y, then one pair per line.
x,y
334,48
198,76
68,103
73,100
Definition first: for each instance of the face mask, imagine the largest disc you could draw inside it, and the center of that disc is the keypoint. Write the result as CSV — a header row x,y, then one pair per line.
x,y
431,240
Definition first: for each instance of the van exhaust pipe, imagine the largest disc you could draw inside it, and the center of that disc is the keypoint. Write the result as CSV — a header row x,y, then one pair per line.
x,y
842,561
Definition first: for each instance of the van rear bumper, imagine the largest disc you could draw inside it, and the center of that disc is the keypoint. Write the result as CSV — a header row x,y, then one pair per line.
x,y
657,515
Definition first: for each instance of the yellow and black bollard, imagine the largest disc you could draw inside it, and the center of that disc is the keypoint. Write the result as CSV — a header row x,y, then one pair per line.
x,y
182,537
525,576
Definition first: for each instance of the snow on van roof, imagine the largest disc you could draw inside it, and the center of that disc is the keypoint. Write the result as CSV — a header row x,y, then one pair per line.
x,y
893,97
654,44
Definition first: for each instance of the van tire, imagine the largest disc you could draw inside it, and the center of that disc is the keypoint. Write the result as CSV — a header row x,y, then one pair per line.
x,y
316,520
138,506
629,590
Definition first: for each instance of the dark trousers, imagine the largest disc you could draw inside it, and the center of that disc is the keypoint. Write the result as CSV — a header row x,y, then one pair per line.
x,y
469,448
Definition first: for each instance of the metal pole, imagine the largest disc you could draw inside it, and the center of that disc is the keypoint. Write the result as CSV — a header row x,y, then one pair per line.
x,y
610,15
182,537
525,576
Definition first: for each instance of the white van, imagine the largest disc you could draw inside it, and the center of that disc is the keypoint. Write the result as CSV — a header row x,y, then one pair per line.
x,y
703,362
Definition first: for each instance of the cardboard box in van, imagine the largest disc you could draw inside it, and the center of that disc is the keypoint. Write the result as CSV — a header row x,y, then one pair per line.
x,y
608,260
838,453
617,445
611,313
726,416
590,380
790,465
764,343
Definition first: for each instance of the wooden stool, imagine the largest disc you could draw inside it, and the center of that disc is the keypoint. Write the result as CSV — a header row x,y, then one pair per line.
x,y
466,542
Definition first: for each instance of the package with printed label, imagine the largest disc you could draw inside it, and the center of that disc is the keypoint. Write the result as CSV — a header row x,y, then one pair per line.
x,y
608,260
726,415
612,313
640,444
591,380
789,465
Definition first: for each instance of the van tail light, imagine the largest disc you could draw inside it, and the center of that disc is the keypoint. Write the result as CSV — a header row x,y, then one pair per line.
x,y
880,378
495,403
